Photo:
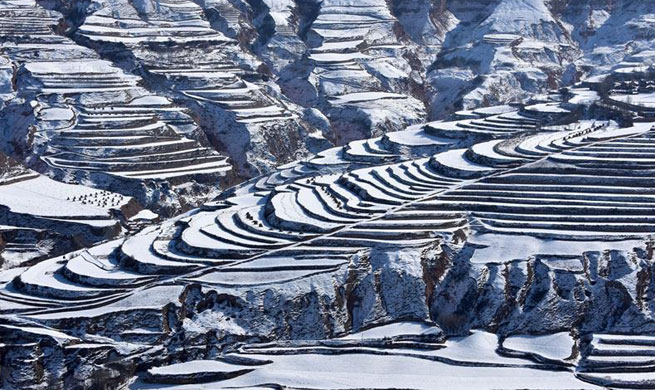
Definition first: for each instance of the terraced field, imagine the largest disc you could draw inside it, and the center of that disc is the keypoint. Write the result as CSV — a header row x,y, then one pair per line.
x,y
419,355
414,142
619,361
343,30
501,186
510,246
214,77
355,57
557,189
207,71
92,120
42,217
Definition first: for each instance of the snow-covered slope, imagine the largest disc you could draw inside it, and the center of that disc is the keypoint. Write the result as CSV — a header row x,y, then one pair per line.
x,y
183,57
78,118
422,204
41,217
271,82
511,244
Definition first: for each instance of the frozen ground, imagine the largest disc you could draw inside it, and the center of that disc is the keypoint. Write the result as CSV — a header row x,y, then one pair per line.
x,y
423,207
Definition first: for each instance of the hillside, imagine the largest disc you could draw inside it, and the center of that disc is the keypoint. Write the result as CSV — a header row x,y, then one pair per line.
x,y
272,82
511,244
293,194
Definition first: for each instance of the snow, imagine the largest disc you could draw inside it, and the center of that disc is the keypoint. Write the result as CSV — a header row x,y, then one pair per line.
x,y
355,371
557,346
508,38
531,44
338,46
86,265
271,262
196,366
646,100
361,97
8,275
191,169
361,64
516,16
150,33
10,177
503,248
103,91
138,247
455,159
629,338
287,208
60,337
254,278
46,274
45,197
616,132
598,17
487,149
417,137
632,378
98,67
144,215
312,202
393,330
479,346
547,108
56,114
626,70
337,57
595,79
494,110
584,96
153,298
150,100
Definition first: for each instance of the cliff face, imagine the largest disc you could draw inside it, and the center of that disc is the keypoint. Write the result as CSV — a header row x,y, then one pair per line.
x,y
595,292
591,293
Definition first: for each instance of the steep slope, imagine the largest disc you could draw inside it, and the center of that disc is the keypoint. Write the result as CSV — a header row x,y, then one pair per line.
x,y
609,31
175,49
500,51
276,61
272,82
361,78
506,244
80,118
497,246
